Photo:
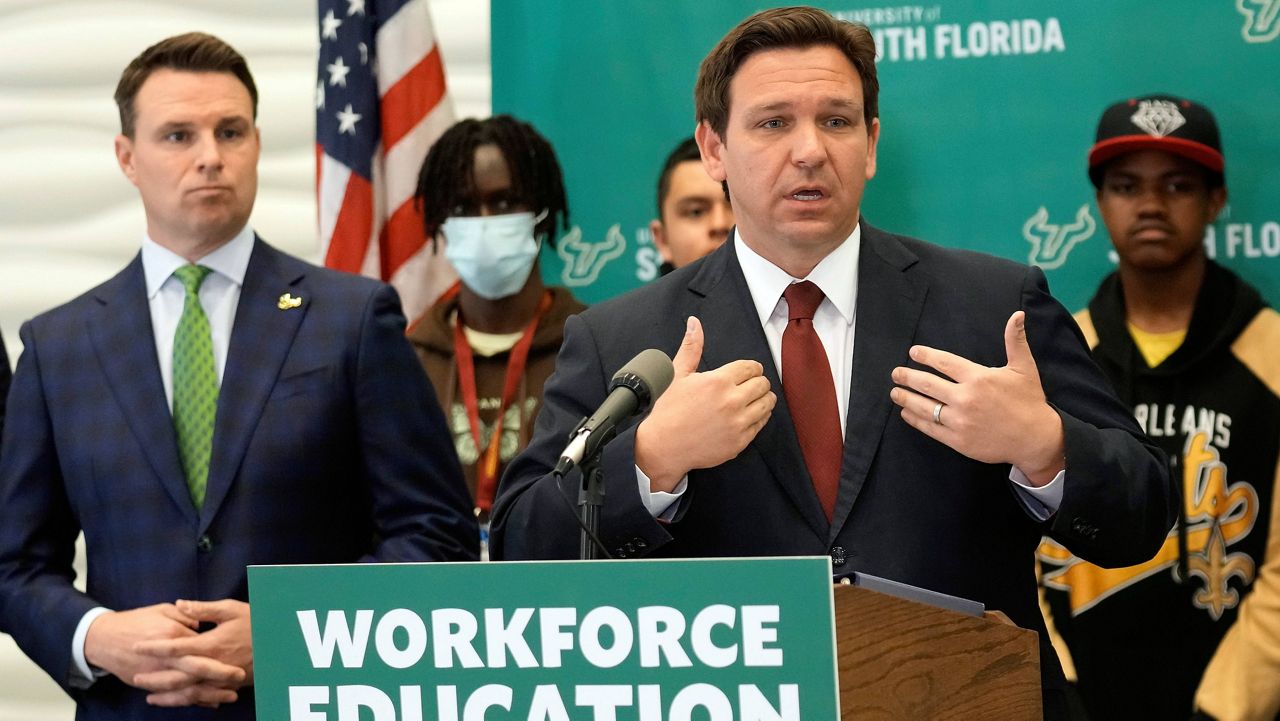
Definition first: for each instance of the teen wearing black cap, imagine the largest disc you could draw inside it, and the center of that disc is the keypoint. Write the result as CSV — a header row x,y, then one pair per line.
x,y
1193,350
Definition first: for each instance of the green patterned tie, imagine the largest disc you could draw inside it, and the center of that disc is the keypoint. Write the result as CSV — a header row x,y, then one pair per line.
x,y
195,384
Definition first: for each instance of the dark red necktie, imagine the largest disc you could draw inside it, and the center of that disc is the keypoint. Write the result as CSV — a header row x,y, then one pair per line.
x,y
811,394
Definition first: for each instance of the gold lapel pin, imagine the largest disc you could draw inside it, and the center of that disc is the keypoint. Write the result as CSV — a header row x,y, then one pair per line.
x,y
288,301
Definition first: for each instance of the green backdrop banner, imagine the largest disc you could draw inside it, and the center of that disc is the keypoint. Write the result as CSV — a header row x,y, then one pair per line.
x,y
988,108
691,640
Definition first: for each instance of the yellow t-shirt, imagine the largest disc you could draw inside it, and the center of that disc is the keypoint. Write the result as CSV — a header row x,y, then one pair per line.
x,y
1155,347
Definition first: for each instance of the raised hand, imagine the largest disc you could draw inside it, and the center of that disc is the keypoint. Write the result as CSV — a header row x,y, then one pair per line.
x,y
993,415
704,419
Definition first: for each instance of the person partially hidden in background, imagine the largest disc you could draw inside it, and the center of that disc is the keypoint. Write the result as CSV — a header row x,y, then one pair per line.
x,y
215,405
1192,349
694,214
492,191
932,437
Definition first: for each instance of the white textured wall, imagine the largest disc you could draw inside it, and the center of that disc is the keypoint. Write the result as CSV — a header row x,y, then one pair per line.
x,y
69,219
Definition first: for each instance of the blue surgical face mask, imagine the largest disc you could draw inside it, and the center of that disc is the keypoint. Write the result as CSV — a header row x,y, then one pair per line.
x,y
493,254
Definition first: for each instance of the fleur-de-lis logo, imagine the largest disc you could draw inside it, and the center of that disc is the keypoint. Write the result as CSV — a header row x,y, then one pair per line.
x,y
1051,242
1261,20
1218,513
1215,567
583,261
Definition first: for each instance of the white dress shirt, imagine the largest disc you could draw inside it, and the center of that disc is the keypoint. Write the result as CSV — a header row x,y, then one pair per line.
x,y
837,276
219,297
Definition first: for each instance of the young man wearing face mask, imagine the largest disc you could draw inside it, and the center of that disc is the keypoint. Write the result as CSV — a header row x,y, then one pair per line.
x,y
491,192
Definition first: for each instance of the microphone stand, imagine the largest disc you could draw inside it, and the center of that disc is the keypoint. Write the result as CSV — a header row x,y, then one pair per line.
x,y
591,493
590,501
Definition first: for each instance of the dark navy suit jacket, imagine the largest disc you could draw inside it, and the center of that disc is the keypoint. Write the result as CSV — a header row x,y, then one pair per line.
x,y
328,447
909,508
5,375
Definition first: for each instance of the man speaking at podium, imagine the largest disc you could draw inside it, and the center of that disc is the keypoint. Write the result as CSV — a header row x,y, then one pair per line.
x,y
918,413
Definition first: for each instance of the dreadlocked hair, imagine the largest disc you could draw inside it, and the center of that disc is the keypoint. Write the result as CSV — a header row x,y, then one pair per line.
x,y
536,180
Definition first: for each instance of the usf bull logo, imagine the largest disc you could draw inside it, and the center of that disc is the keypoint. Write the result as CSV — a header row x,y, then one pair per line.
x,y
1051,242
583,261
1261,20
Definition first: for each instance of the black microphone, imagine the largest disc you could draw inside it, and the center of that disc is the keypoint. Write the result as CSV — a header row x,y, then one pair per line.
x,y
633,388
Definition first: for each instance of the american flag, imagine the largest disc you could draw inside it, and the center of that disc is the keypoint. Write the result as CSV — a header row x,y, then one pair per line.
x,y
380,104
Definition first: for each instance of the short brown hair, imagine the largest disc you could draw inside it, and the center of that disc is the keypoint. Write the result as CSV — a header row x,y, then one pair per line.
x,y
191,52
686,152
788,27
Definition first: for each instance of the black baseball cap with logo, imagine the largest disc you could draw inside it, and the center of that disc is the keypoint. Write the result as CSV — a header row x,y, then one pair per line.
x,y
1157,122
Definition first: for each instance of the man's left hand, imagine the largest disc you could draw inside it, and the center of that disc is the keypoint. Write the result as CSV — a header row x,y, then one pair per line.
x,y
221,657
993,415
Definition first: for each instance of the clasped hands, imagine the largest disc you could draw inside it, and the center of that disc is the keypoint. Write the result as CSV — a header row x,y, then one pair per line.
x,y
993,415
158,649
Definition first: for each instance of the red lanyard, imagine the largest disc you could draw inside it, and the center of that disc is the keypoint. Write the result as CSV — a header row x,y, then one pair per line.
x,y
487,466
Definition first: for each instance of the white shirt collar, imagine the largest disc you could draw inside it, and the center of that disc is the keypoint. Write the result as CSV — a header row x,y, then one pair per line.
x,y
231,260
836,275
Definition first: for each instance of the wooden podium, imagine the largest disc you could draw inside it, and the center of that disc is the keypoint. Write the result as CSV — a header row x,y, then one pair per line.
x,y
901,659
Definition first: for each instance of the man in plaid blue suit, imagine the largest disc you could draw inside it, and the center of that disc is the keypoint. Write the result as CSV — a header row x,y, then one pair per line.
x,y
327,444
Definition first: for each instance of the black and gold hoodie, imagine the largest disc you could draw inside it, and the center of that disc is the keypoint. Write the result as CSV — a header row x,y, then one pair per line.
x,y
1199,624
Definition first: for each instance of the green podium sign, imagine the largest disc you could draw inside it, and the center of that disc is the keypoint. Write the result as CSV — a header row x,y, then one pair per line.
x,y
680,640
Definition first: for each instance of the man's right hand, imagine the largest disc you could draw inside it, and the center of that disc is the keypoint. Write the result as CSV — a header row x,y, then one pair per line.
x,y
111,641
704,419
